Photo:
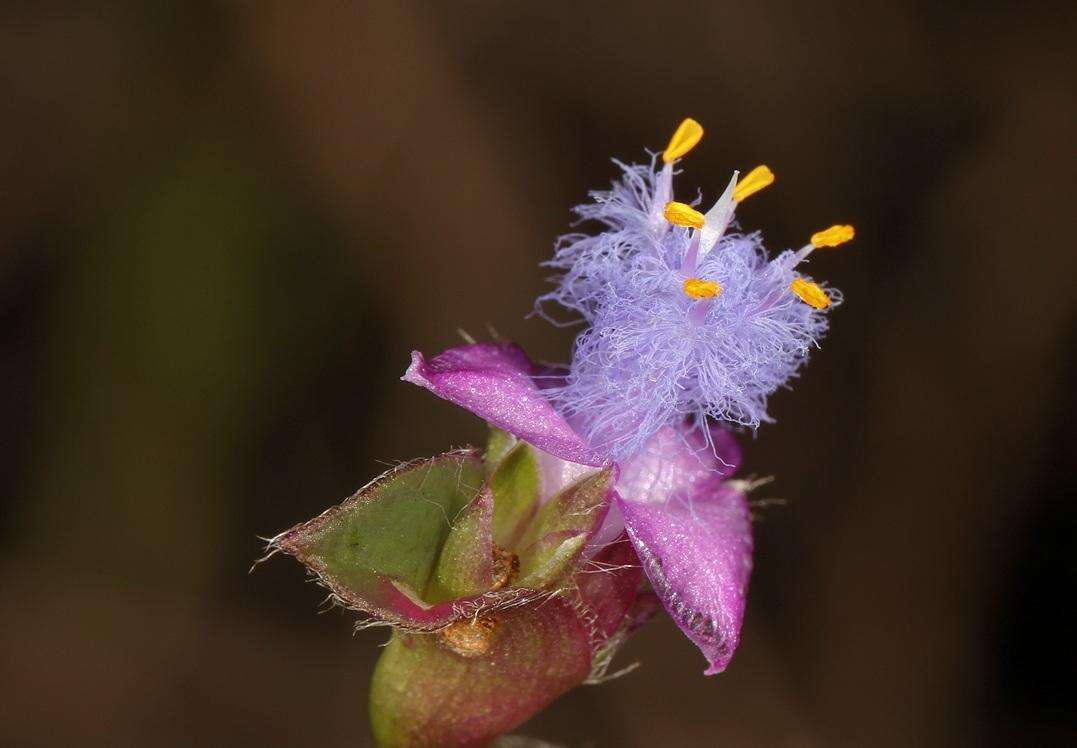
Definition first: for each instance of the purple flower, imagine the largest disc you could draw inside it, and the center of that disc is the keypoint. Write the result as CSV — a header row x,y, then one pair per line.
x,y
687,325
684,321
689,526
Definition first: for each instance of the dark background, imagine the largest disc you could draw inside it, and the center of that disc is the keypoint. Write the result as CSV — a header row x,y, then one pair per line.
x,y
223,227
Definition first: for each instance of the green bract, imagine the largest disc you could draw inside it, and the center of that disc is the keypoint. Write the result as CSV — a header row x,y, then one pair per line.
x,y
480,571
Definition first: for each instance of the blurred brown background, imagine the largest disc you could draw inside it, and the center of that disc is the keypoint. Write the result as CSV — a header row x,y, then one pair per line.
x,y
224,225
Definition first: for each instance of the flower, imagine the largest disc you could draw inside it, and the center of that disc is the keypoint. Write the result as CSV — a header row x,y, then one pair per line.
x,y
688,524
513,574
686,326
685,320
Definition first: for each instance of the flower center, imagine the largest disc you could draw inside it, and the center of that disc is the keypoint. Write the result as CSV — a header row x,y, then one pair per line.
x,y
708,228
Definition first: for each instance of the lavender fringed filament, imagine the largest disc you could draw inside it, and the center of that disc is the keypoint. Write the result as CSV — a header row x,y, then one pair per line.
x,y
685,320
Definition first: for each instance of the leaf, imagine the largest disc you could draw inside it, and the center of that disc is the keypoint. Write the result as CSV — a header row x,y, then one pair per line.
x,y
560,530
607,585
465,567
425,692
549,559
498,444
607,588
377,550
515,485
580,507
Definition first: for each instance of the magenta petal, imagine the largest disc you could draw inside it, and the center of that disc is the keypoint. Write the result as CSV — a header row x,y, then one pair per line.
x,y
674,462
671,464
497,382
697,552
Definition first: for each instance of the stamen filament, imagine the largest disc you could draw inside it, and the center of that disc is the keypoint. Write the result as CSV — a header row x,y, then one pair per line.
x,y
697,315
691,257
718,217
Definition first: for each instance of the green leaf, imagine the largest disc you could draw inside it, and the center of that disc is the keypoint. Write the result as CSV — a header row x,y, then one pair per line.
x,y
425,692
377,551
515,485
550,559
498,444
561,528
578,507
465,566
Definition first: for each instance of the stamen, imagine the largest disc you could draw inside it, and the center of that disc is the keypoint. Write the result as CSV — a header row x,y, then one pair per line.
x,y
833,236
680,214
691,257
810,293
698,288
684,139
757,179
718,217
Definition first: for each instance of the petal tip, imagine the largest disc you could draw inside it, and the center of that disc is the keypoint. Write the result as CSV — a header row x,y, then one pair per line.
x,y
414,373
715,669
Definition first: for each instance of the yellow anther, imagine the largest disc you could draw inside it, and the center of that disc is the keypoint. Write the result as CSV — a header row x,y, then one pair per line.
x,y
810,293
697,288
832,236
757,179
680,214
688,134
